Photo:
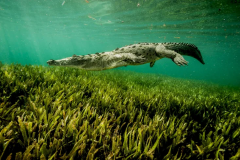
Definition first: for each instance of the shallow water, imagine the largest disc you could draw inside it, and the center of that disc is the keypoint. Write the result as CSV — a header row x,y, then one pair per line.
x,y
35,31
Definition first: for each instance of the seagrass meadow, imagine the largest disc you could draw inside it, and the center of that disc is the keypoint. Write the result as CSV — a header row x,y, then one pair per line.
x,y
65,113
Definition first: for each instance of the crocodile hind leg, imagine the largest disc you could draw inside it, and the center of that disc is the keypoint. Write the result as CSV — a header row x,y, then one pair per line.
x,y
176,57
179,60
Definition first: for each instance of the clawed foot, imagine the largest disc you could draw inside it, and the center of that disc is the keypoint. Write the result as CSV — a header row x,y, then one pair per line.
x,y
179,60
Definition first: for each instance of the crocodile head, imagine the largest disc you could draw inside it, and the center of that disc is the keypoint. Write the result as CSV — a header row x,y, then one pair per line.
x,y
60,62
52,62
74,61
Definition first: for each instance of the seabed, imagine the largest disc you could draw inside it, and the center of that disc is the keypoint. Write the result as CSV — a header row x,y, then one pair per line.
x,y
65,113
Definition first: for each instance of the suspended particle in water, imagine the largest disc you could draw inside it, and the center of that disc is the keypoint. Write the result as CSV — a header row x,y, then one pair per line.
x,y
63,3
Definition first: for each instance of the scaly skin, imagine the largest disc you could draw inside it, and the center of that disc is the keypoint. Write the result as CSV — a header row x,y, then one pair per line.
x,y
135,54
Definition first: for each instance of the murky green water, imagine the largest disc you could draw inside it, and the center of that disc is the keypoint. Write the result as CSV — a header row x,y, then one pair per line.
x,y
34,31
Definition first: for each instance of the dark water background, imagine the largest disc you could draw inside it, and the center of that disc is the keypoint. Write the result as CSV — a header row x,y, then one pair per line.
x,y
34,31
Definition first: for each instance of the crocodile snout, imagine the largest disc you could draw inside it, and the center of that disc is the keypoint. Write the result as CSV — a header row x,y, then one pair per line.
x,y
51,62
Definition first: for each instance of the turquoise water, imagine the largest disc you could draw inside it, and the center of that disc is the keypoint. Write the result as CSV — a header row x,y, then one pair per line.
x,y
34,31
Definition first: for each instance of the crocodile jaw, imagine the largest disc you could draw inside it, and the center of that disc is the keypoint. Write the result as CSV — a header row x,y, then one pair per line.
x,y
61,62
66,62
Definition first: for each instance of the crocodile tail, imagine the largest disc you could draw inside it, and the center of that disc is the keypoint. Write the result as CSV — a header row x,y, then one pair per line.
x,y
185,49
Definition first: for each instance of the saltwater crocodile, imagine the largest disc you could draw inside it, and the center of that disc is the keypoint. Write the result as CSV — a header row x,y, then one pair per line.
x,y
135,54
